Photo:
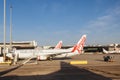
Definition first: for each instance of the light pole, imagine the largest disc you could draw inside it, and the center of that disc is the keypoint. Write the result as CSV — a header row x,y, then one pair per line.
x,y
4,52
10,27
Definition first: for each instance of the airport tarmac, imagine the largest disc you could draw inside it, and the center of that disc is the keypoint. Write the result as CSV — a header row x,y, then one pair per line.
x,y
61,69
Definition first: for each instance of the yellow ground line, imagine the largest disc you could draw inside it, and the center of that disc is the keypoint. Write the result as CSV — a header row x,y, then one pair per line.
x,y
79,62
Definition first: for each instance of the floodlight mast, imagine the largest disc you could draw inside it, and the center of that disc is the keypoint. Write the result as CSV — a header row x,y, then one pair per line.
x,y
10,27
4,51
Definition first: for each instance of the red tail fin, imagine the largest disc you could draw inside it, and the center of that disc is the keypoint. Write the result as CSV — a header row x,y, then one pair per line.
x,y
79,46
59,45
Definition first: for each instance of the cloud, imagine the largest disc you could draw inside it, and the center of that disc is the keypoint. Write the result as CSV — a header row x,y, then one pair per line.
x,y
104,29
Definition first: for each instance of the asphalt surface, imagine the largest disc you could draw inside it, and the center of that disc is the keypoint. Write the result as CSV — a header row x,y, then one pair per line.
x,y
61,69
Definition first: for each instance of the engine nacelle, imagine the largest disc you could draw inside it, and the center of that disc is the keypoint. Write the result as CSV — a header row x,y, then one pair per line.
x,y
42,58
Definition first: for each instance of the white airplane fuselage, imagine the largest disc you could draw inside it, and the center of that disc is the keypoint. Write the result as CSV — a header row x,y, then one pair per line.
x,y
22,54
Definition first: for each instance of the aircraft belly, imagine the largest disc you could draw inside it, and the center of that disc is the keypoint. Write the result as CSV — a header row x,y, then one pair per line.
x,y
65,55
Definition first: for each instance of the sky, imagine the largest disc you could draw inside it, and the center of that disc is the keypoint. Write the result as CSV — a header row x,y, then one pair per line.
x,y
49,21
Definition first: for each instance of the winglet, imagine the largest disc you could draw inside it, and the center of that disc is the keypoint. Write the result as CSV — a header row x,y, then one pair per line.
x,y
79,46
59,45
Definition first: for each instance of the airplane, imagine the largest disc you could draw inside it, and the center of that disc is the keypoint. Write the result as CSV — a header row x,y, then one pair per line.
x,y
63,53
11,54
52,53
107,52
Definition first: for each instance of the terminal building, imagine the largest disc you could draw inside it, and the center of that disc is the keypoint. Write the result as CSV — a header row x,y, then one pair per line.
x,y
97,48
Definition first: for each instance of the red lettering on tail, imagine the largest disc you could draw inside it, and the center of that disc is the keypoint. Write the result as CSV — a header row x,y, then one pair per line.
x,y
79,46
